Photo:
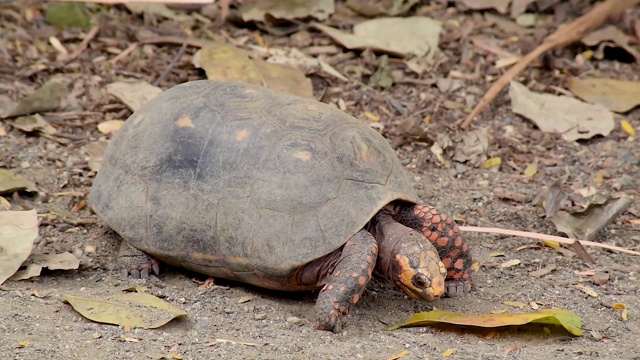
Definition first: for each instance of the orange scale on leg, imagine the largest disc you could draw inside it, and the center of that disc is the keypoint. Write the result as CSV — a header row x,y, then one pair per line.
x,y
446,262
450,273
458,241
454,253
437,219
443,241
459,264
432,237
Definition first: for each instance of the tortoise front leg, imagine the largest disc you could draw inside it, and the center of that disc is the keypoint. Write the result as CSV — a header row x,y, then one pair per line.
x,y
347,281
444,233
136,262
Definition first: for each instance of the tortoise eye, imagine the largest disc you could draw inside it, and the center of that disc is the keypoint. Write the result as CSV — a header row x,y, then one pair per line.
x,y
419,282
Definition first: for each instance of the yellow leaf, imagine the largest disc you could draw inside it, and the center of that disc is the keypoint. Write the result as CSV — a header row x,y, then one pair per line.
x,y
552,244
587,54
586,290
397,356
565,318
447,353
534,305
110,126
492,162
516,304
620,306
496,254
625,315
128,309
24,343
371,116
628,128
531,170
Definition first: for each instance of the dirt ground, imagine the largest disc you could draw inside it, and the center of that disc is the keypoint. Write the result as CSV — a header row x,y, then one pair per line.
x,y
280,325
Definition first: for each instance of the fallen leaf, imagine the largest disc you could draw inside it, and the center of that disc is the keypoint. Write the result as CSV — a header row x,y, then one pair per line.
x,y
569,117
627,127
448,353
33,123
586,290
588,272
236,342
531,170
297,58
69,14
133,93
399,355
396,36
493,162
568,319
18,231
382,76
110,126
516,304
585,224
10,182
510,263
24,343
228,63
473,147
534,305
95,154
544,271
609,35
616,95
139,310
245,299
624,313
287,9
4,204
552,244
497,254
36,262
48,97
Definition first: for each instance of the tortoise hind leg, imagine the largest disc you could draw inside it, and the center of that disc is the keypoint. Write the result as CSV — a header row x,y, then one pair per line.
x,y
347,281
136,262
444,233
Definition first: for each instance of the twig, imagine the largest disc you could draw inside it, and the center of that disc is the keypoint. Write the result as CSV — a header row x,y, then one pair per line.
x,y
143,1
545,237
124,53
84,44
563,36
171,64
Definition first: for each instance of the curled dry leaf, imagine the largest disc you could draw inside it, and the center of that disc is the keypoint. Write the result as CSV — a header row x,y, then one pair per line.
x,y
36,262
10,182
18,231
569,117
49,97
500,5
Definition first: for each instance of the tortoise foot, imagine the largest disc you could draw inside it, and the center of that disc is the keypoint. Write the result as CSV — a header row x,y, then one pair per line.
x,y
444,233
347,281
136,263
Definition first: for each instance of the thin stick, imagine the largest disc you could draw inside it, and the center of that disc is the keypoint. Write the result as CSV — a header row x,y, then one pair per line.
x,y
144,1
124,53
561,37
84,44
545,237
171,64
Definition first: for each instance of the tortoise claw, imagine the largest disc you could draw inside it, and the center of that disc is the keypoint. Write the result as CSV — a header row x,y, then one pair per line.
x,y
456,288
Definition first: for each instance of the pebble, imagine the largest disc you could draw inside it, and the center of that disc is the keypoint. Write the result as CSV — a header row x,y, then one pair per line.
x,y
260,316
294,320
228,311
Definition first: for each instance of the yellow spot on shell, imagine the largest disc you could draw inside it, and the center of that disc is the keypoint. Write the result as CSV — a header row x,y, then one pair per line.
x,y
302,155
242,134
185,121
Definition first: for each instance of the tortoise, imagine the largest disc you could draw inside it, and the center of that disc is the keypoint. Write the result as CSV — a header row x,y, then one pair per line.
x,y
258,186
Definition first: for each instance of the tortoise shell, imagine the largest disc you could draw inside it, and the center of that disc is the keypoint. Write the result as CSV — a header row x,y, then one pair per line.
x,y
242,182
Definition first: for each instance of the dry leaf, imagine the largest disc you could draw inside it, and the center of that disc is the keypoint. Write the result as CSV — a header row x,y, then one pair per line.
x,y
18,231
110,126
228,63
134,93
500,5
610,35
33,123
287,9
569,320
36,262
510,263
133,309
49,97
571,118
10,182
399,355
586,224
627,127
516,304
95,154
586,290
616,95
396,36
157,9
544,271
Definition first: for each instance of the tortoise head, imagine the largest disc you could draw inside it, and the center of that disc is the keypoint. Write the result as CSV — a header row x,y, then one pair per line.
x,y
417,270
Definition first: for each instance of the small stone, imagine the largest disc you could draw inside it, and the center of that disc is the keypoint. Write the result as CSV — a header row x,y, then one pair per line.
x,y
527,20
294,320
260,316
228,311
